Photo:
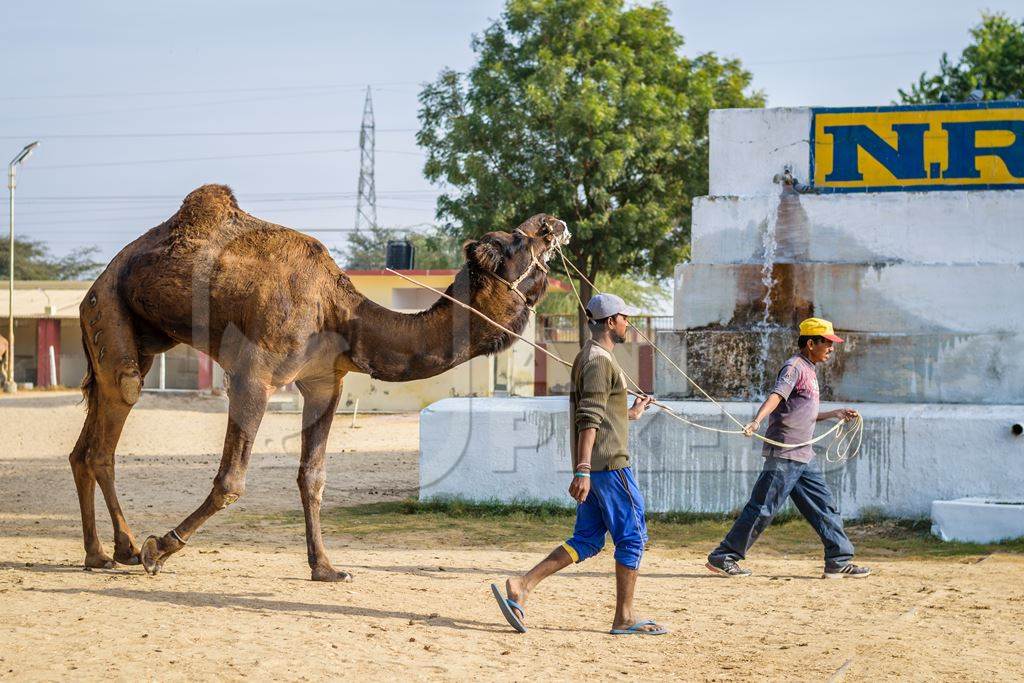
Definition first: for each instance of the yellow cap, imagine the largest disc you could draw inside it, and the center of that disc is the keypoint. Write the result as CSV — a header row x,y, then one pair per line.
x,y
818,327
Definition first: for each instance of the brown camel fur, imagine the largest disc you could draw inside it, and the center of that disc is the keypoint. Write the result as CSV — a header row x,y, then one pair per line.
x,y
272,307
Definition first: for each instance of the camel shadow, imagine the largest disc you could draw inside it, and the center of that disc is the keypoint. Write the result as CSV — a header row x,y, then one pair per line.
x,y
257,603
49,568
433,571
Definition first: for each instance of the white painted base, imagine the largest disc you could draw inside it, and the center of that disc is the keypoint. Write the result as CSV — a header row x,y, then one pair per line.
x,y
978,520
913,454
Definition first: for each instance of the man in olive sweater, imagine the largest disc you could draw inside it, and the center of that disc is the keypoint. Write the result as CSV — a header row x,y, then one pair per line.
x,y
603,484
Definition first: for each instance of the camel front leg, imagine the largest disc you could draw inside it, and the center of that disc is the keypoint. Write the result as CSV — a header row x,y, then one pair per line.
x,y
247,403
320,399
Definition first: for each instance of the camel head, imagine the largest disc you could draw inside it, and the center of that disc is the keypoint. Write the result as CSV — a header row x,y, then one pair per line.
x,y
519,259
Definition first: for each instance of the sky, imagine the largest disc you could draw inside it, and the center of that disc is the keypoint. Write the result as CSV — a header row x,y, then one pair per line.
x,y
136,104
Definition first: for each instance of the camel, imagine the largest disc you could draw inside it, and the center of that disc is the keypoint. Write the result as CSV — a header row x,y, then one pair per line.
x,y
271,306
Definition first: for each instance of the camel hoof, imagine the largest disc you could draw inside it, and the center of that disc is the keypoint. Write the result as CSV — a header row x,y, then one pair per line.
x,y
129,557
98,562
331,575
150,556
130,560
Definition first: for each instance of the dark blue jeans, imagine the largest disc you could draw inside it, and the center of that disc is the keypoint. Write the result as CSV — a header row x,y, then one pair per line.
x,y
804,483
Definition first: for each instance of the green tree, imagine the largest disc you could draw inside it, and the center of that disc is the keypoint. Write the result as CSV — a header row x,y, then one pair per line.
x,y
33,261
584,109
992,63
367,249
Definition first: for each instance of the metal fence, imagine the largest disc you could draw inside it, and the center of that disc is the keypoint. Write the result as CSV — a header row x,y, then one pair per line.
x,y
564,327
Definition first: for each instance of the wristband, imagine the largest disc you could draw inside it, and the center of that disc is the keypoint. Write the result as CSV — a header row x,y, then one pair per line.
x,y
582,475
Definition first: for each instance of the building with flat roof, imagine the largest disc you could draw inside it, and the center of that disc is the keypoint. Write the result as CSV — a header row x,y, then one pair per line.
x,y
46,316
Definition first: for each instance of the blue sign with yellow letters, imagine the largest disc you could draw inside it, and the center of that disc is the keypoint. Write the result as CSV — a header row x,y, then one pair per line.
x,y
970,146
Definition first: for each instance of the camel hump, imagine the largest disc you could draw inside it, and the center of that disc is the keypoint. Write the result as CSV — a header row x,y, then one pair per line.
x,y
207,206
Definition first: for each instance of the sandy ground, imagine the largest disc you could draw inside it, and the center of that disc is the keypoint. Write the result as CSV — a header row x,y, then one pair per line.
x,y
237,602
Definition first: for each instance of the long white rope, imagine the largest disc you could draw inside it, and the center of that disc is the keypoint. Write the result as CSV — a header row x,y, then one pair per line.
x,y
638,391
847,439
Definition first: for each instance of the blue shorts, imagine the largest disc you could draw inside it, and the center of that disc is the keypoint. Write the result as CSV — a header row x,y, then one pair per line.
x,y
615,506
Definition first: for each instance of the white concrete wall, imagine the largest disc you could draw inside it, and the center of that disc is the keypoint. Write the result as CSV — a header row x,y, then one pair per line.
x,y
895,299
749,146
977,520
916,227
517,449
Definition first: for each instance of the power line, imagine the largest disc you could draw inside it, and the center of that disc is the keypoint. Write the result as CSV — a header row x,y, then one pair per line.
x,y
140,162
840,58
216,91
164,107
164,216
103,136
275,205
152,205
246,197
221,157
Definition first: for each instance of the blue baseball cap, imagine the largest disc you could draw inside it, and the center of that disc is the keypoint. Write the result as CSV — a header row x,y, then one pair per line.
x,y
604,306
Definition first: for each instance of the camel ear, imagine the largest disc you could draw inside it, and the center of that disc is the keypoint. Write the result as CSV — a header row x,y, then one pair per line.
x,y
484,254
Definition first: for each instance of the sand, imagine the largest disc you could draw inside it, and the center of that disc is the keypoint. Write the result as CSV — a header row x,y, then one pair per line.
x,y
237,603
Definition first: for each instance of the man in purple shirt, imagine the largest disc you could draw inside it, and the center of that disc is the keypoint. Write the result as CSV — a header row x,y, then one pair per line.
x,y
792,410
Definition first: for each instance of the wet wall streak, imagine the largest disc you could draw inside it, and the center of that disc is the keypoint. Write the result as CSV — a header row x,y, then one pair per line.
x,y
793,231
884,439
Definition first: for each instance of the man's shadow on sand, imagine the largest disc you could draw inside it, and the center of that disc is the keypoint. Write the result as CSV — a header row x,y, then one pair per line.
x,y
257,603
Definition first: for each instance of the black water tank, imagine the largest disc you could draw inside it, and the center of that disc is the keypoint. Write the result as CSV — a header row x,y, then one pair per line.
x,y
401,255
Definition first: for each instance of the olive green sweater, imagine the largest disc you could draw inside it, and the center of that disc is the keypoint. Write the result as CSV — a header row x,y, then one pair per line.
x,y
598,399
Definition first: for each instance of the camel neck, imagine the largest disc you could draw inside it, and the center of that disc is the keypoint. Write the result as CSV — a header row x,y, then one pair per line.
x,y
395,346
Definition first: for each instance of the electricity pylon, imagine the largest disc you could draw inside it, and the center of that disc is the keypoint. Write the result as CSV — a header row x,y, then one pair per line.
x,y
366,200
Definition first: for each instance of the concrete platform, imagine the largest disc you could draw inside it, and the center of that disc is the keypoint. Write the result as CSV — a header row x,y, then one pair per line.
x,y
978,520
518,449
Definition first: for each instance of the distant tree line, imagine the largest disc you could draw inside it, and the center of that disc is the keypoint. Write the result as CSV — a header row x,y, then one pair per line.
x,y
33,261
367,249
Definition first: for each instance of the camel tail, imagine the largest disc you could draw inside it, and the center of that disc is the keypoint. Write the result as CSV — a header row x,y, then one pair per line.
x,y
108,337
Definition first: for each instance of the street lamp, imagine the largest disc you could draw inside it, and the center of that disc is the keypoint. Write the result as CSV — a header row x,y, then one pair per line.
x,y
12,169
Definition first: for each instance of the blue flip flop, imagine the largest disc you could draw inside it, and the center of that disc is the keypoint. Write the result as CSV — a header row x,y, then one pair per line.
x,y
637,629
507,605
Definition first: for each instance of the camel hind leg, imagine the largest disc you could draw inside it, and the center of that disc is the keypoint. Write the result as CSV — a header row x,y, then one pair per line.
x,y
111,387
92,462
